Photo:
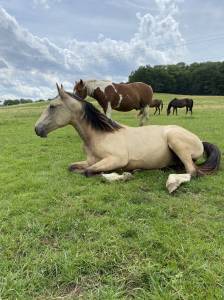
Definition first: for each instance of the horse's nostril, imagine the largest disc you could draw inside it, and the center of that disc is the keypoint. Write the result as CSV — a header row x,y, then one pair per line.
x,y
40,131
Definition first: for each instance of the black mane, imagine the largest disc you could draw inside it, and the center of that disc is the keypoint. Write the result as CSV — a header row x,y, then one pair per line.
x,y
95,118
74,96
98,120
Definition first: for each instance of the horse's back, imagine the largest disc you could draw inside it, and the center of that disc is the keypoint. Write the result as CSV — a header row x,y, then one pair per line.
x,y
145,92
156,102
134,95
140,87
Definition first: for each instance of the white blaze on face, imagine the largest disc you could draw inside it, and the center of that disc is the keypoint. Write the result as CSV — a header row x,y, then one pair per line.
x,y
92,85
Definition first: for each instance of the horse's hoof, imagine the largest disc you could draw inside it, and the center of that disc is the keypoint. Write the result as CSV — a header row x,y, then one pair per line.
x,y
89,173
71,168
171,187
171,183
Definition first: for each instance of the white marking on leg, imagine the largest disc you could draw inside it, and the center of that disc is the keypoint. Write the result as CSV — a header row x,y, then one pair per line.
x,y
144,115
116,177
175,180
108,112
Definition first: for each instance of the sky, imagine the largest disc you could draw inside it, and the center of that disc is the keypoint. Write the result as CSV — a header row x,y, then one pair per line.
x,y
47,41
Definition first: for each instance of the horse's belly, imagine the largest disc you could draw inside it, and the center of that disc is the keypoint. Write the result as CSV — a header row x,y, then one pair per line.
x,y
151,159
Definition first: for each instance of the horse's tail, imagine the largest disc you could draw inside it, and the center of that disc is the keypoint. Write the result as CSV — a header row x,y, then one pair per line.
x,y
212,163
161,103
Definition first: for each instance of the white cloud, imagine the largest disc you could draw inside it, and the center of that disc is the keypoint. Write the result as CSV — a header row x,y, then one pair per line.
x,y
46,4
30,66
157,40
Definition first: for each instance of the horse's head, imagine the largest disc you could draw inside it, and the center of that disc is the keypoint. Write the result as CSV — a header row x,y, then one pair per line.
x,y
79,89
168,111
56,115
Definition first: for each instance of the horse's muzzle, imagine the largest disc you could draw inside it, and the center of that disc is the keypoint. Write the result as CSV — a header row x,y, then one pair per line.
x,y
40,131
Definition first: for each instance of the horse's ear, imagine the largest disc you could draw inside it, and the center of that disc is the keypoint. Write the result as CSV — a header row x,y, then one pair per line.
x,y
81,81
58,88
61,91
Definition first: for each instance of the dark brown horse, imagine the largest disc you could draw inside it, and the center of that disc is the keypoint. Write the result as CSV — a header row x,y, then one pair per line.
x,y
175,103
158,104
117,96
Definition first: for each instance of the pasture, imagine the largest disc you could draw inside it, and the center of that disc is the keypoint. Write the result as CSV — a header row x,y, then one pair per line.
x,y
64,236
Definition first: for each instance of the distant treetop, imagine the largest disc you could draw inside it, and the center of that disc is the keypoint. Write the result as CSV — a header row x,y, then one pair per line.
x,y
195,79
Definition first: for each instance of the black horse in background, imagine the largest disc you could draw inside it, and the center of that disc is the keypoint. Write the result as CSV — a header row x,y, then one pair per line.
x,y
179,103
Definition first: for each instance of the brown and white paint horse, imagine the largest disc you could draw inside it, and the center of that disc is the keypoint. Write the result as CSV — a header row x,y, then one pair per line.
x,y
110,146
117,96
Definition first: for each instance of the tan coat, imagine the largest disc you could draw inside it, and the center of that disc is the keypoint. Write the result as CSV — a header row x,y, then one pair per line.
x,y
110,146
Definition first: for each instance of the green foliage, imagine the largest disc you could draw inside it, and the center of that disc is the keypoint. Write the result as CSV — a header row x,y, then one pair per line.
x,y
195,79
11,102
16,101
64,236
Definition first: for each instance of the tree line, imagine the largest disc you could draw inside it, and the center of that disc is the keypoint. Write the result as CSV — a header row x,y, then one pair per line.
x,y
18,101
195,79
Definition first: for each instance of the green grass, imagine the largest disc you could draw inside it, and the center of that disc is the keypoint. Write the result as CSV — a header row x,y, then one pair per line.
x,y
64,236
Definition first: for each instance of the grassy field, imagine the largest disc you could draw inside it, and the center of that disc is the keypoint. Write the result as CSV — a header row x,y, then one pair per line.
x,y
64,236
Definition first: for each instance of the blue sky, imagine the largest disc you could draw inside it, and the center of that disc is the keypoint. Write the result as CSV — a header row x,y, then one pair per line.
x,y
44,41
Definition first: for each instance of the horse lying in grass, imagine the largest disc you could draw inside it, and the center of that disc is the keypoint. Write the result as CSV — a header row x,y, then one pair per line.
x,y
110,146
117,96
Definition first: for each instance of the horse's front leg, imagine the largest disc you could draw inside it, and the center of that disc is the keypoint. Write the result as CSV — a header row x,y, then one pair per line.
x,y
78,167
108,110
106,164
144,115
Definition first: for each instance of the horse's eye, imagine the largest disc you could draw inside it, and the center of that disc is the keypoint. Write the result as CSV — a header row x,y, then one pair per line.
x,y
52,107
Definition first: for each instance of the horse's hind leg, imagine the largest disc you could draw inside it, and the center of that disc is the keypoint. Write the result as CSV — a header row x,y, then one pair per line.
x,y
144,115
183,147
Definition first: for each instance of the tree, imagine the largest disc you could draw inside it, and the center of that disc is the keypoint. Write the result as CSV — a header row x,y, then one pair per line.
x,y
197,78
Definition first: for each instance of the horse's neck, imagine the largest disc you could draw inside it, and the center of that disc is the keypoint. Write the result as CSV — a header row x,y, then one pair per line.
x,y
85,131
92,85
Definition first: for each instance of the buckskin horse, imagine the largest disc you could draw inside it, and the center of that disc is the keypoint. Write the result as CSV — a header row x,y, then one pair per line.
x,y
110,146
117,96
179,103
